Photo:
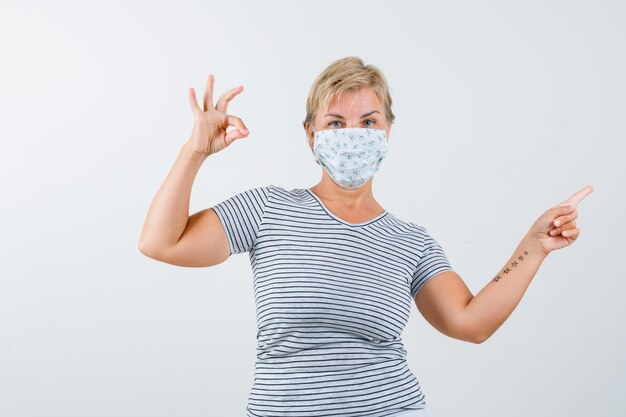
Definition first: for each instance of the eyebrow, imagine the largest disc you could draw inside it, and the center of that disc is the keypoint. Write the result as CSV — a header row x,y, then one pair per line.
x,y
341,117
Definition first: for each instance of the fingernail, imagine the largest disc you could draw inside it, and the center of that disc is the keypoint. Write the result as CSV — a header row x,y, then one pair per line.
x,y
557,222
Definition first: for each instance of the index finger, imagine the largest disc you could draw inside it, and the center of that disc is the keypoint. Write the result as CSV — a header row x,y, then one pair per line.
x,y
578,196
222,102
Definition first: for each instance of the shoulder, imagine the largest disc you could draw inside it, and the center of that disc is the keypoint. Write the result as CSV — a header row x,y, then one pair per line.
x,y
418,233
410,228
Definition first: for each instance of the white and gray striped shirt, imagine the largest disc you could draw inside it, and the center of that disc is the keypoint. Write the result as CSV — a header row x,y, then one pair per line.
x,y
332,300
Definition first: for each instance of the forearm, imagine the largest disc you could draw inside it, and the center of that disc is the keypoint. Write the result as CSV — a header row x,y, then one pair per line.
x,y
496,301
169,212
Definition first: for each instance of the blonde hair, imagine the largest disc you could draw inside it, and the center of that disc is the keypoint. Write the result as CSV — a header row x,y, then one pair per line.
x,y
346,74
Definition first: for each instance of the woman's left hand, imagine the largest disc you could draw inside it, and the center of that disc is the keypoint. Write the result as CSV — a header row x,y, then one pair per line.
x,y
556,228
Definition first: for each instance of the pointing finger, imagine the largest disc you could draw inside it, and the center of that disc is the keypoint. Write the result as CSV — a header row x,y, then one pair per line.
x,y
578,196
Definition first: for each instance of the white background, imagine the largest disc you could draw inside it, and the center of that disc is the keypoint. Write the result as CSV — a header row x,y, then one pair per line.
x,y
503,110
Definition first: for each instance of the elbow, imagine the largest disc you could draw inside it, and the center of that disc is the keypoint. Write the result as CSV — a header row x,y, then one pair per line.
x,y
473,332
141,246
467,332
146,249
478,330
481,337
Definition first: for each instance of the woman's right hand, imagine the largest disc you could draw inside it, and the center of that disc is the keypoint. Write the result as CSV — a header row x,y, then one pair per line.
x,y
209,131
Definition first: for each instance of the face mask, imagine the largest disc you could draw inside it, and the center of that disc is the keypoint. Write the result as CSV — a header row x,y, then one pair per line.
x,y
351,155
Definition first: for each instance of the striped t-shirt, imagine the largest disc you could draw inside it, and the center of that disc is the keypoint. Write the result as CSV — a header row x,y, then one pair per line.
x,y
332,300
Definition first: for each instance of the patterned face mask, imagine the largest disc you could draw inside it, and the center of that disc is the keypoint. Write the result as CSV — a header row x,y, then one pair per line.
x,y
350,155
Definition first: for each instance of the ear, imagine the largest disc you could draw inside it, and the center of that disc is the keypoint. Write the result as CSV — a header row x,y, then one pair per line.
x,y
309,136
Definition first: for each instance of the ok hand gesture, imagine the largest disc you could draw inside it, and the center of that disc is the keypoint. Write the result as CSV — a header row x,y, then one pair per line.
x,y
209,131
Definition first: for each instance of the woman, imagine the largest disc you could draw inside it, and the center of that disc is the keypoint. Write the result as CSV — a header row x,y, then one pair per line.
x,y
334,272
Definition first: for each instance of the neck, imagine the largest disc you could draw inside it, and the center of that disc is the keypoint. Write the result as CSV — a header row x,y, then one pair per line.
x,y
329,190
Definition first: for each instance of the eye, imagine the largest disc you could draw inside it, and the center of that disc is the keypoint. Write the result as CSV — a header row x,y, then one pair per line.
x,y
370,120
330,123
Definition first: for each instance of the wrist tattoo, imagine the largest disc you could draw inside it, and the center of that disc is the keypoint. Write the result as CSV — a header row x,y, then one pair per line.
x,y
508,269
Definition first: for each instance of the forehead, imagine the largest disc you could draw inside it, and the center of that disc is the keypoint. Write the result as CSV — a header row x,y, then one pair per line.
x,y
355,103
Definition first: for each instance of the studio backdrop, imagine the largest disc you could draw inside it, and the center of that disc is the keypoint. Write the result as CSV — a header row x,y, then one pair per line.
x,y
503,109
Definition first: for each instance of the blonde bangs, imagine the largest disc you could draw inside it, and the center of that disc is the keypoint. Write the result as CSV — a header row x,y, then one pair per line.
x,y
346,74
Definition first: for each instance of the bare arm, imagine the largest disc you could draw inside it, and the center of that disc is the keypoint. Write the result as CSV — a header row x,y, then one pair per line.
x,y
169,234
442,301
449,306
496,301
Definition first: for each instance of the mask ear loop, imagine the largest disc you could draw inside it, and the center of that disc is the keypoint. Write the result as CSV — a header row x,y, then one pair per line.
x,y
307,138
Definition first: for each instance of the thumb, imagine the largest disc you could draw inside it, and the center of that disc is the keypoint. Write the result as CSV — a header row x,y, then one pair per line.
x,y
559,210
545,222
564,208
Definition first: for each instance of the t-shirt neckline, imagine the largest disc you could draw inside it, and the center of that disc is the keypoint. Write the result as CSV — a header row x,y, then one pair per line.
x,y
330,213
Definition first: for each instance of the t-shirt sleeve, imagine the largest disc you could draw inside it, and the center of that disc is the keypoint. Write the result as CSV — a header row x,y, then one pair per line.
x,y
242,215
432,262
